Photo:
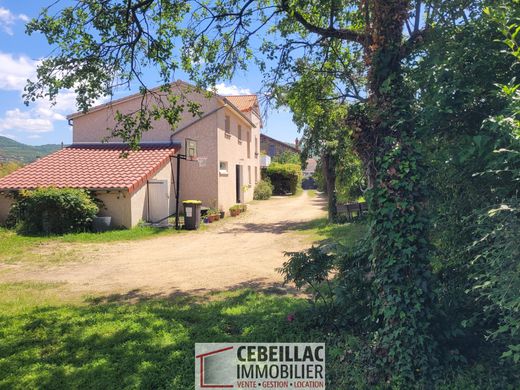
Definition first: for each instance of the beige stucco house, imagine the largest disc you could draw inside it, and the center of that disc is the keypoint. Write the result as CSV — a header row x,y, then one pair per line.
x,y
142,186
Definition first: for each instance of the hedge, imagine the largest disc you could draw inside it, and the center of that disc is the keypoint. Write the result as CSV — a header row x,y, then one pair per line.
x,y
285,178
52,211
263,190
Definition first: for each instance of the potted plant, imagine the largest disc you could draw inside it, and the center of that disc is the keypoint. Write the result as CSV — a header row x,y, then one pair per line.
x,y
222,214
234,210
213,215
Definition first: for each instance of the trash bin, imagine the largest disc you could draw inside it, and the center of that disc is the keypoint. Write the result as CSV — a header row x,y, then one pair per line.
x,y
192,214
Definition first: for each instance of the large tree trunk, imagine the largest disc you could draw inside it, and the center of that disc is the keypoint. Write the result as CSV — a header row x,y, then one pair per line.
x,y
329,172
401,281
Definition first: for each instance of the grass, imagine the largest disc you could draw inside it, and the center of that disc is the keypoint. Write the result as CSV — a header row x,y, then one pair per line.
x,y
110,342
51,340
346,234
16,247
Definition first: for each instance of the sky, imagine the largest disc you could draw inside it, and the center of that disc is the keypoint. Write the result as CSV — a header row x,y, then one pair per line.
x,y
40,123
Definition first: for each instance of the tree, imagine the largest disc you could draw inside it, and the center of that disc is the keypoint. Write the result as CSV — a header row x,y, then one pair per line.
x,y
321,119
102,44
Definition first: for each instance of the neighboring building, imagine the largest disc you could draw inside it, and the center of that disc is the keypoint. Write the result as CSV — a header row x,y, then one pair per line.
x,y
142,186
273,147
310,167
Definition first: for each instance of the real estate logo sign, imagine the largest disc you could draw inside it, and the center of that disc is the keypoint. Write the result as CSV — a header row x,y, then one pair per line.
x,y
270,366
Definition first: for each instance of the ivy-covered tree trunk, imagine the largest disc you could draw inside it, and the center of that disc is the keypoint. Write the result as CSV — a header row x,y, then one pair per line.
x,y
402,305
329,171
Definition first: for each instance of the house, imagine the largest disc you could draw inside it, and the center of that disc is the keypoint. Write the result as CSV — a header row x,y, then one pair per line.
x,y
143,185
310,167
273,147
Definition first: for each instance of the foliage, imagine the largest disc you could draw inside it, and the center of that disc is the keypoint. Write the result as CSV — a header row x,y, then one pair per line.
x,y
469,144
496,271
53,211
309,268
7,168
263,190
287,158
496,251
285,178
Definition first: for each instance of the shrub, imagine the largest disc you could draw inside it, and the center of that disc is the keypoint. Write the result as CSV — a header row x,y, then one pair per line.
x,y
285,178
53,211
263,190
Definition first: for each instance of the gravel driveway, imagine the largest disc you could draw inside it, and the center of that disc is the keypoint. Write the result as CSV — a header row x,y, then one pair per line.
x,y
236,252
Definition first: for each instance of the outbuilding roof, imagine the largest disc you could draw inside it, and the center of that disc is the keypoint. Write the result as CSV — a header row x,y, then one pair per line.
x,y
93,167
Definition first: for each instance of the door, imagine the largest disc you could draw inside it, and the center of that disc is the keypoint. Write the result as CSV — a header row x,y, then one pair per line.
x,y
238,175
158,202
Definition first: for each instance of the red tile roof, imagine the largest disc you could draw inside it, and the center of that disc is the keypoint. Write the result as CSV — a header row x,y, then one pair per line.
x,y
94,167
244,102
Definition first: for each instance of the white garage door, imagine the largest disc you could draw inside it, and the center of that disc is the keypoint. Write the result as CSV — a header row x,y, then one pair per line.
x,y
158,201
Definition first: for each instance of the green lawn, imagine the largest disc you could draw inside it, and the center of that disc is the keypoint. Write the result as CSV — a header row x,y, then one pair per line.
x,y
16,248
346,234
117,342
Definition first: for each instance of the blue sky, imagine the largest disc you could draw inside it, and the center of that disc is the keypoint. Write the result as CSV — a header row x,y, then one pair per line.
x,y
41,123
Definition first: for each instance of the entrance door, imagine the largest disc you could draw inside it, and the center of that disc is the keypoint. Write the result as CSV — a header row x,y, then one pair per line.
x,y
238,175
158,202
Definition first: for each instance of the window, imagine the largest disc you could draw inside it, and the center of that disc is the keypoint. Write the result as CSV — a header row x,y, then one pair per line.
x,y
239,133
249,173
227,124
272,150
256,146
256,175
223,168
248,144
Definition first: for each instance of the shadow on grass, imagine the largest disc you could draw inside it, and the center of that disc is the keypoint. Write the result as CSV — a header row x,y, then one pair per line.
x,y
149,344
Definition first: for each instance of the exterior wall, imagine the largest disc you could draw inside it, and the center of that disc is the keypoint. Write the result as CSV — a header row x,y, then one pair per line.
x,y
117,206
196,182
139,199
5,206
235,152
274,148
92,127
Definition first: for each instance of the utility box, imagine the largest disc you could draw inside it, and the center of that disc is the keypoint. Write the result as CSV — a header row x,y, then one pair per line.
x,y
192,214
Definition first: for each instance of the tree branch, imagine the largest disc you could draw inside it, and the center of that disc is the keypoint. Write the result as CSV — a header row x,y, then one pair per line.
x,y
329,32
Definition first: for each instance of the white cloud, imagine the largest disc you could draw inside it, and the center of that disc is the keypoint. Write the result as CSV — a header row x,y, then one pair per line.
x,y
223,89
8,19
14,71
25,121
41,115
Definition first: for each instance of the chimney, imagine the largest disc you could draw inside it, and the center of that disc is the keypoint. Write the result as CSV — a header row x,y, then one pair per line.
x,y
297,143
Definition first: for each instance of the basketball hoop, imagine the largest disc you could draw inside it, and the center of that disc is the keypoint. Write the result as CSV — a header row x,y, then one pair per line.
x,y
190,149
202,161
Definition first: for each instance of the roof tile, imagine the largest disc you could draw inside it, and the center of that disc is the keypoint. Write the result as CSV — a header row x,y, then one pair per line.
x,y
95,167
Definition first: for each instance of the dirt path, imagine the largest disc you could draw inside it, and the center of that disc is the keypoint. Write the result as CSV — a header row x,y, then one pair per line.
x,y
242,251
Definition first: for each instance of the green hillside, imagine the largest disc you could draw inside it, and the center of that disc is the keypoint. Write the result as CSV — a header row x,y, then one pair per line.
x,y
11,150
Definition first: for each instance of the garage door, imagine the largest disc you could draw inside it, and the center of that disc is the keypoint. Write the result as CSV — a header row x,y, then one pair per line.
x,y
158,202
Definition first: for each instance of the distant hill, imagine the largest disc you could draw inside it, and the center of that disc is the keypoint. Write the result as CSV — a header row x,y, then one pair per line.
x,y
11,150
